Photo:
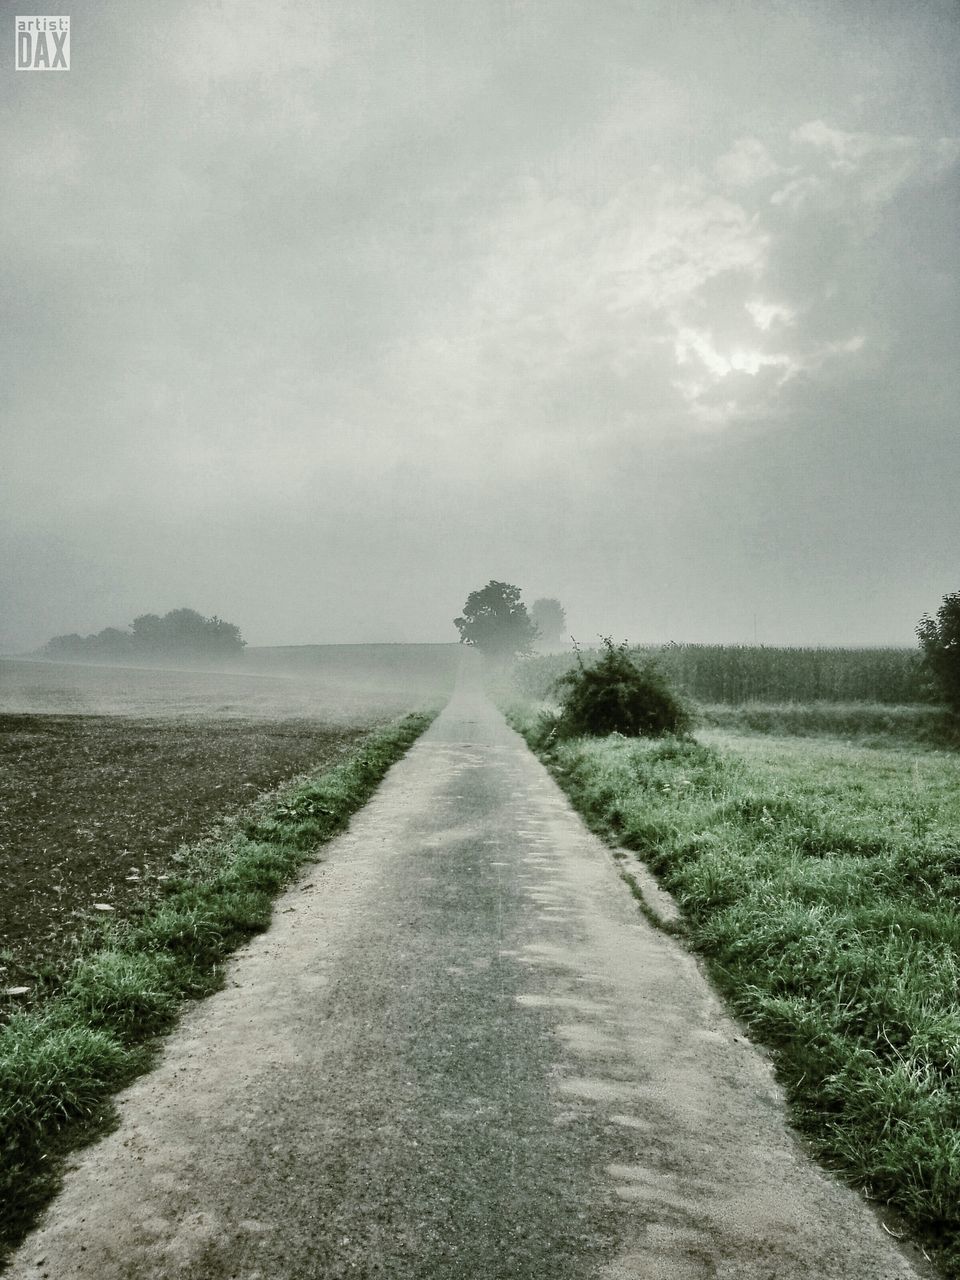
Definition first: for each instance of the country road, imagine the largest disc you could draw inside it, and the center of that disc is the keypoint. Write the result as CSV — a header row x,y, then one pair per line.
x,y
460,1051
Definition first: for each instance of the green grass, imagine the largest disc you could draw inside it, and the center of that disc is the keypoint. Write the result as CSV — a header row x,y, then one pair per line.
x,y
60,1063
865,723
821,884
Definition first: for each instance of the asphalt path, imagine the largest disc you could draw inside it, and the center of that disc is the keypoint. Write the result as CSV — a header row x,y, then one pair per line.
x,y
460,1051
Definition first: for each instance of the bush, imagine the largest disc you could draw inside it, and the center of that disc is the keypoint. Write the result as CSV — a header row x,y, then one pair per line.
x,y
940,642
616,695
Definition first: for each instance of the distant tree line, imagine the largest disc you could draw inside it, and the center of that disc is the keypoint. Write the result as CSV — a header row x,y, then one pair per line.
x,y
181,633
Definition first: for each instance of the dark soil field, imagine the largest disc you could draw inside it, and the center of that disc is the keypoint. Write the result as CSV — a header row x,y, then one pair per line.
x,y
94,808
106,771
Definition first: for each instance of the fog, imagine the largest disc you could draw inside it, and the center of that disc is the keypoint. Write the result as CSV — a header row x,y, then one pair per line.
x,y
330,684
317,316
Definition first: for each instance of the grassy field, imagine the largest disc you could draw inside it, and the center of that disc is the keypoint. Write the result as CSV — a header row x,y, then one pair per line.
x,y
858,723
820,882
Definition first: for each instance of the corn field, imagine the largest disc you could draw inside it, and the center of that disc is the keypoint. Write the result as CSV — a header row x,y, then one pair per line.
x,y
736,674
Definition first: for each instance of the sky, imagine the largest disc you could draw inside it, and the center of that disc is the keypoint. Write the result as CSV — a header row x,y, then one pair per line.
x,y
319,315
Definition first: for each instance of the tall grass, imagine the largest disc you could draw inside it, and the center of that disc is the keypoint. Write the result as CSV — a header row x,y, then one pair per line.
x,y
734,674
59,1064
866,723
821,884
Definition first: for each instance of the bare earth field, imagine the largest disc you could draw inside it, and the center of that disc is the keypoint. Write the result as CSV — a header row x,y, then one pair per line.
x,y
94,808
106,771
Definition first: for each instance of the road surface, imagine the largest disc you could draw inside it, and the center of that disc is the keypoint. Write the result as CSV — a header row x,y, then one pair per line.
x,y
459,1052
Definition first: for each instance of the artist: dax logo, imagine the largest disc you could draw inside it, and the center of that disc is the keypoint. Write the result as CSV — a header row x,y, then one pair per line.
x,y
43,43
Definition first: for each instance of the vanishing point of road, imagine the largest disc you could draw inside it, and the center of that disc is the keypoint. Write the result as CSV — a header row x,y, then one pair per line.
x,y
460,1051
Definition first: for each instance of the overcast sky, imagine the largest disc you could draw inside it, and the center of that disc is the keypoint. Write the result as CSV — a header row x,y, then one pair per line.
x,y
319,315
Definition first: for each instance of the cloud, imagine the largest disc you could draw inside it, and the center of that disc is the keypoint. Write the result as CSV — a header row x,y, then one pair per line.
x,y
566,291
747,163
840,183
868,168
672,265
767,314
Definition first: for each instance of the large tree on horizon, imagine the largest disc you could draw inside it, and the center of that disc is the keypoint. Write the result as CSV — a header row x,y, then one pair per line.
x,y
495,621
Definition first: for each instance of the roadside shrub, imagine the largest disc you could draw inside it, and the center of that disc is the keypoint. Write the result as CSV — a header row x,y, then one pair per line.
x,y
618,695
542,731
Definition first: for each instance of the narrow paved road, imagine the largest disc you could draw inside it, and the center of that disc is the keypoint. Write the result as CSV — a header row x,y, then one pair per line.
x,y
459,1052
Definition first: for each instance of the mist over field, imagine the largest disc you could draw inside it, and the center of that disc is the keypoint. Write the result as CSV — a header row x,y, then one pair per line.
x,y
319,316
335,684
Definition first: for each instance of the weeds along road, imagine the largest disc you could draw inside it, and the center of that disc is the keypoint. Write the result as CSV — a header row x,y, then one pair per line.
x,y
459,1052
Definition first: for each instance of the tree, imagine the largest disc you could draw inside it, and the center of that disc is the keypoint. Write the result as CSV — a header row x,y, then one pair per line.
x,y
185,631
551,622
940,642
225,637
111,642
68,646
495,620
147,634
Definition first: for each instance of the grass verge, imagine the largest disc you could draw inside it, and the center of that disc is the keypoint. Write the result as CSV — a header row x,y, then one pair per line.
x,y
60,1062
865,723
820,883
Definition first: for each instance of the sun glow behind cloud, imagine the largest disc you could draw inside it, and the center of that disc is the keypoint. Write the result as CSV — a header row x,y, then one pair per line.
x,y
668,281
